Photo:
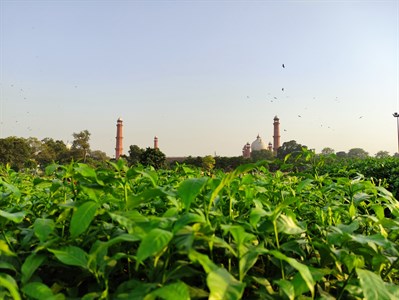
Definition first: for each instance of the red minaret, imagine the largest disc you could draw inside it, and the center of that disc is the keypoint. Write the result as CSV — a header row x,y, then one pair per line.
x,y
155,142
276,136
119,137
246,151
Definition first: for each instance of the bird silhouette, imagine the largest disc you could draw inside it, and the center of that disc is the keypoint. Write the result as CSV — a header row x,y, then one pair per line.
x,y
299,116
283,65
282,89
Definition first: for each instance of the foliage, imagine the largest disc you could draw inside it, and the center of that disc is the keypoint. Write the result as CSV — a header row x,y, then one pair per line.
x,y
80,145
14,151
327,151
208,162
291,148
261,155
153,157
138,233
357,153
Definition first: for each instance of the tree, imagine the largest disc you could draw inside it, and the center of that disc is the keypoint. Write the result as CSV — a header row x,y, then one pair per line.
x,y
153,157
135,153
261,155
327,151
208,162
382,154
14,151
341,154
291,147
80,145
357,153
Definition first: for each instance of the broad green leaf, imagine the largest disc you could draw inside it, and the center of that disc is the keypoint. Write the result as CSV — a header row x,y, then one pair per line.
x,y
287,288
82,218
71,255
147,195
172,291
189,189
30,265
373,286
301,268
152,243
11,285
203,259
222,285
17,217
287,225
86,171
247,261
38,290
5,249
43,228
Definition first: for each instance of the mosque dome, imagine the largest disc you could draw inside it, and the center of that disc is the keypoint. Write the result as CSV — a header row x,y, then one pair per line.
x,y
258,144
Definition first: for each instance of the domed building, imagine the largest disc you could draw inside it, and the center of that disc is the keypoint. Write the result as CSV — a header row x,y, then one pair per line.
x,y
259,144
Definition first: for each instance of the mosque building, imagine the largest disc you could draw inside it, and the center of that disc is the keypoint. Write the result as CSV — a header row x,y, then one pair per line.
x,y
259,144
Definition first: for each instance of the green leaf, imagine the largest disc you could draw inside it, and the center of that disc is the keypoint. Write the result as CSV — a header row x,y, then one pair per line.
x,y
152,243
5,249
373,286
189,189
302,269
222,285
82,218
43,228
203,259
172,291
287,288
147,195
287,225
30,265
17,217
38,290
11,285
71,255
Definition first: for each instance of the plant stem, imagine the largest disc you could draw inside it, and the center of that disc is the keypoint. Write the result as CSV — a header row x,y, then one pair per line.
x,y
345,284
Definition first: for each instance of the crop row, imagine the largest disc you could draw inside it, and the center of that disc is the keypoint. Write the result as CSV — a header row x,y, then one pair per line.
x,y
137,233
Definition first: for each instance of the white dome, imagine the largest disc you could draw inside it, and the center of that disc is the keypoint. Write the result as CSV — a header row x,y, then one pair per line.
x,y
258,144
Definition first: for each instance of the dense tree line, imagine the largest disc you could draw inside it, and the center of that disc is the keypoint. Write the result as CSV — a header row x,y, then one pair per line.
x,y
33,153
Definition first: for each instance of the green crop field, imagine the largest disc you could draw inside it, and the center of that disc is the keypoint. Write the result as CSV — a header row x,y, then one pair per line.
x,y
76,232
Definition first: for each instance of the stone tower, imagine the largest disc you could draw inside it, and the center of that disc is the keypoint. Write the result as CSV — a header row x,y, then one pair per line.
x,y
155,142
119,137
276,136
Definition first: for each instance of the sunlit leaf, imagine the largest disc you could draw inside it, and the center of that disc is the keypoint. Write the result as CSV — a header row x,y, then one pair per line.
x,y
82,218
222,285
10,284
71,255
152,243
189,189
16,217
173,291
373,286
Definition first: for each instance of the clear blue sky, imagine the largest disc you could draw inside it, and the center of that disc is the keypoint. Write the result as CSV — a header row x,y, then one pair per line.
x,y
201,75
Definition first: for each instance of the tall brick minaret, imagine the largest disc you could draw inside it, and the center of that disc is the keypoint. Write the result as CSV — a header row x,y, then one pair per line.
x,y
119,137
155,142
276,136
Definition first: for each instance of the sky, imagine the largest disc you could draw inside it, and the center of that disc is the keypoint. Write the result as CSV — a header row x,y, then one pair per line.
x,y
205,77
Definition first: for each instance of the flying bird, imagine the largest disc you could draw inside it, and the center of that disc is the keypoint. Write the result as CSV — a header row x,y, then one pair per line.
x,y
299,116
282,89
283,65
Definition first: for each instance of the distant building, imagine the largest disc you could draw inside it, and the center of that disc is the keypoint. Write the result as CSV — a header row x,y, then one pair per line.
x,y
119,138
259,144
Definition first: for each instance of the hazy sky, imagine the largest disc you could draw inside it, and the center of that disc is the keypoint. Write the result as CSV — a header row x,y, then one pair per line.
x,y
205,77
